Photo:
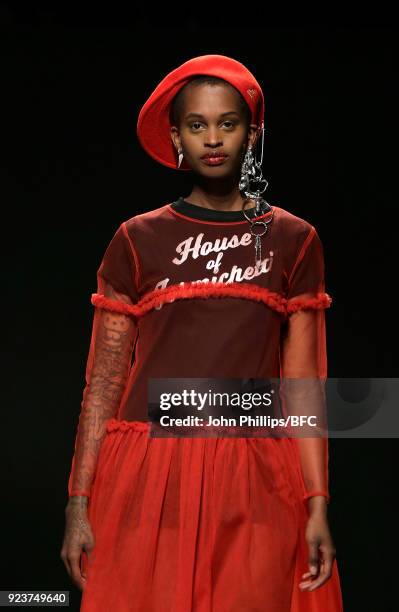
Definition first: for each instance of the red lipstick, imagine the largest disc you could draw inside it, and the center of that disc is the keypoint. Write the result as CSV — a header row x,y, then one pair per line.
x,y
214,159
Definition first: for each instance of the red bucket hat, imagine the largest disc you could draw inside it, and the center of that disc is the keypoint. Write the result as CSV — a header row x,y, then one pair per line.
x,y
153,124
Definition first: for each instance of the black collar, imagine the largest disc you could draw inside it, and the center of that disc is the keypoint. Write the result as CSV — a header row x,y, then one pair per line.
x,y
208,214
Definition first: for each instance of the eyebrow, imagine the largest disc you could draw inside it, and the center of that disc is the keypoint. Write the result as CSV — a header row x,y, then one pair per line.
x,y
190,115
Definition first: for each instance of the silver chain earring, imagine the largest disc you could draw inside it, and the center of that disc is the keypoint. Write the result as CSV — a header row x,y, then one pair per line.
x,y
180,151
252,184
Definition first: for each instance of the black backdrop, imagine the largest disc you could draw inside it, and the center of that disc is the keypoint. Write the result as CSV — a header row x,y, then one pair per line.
x,y
73,84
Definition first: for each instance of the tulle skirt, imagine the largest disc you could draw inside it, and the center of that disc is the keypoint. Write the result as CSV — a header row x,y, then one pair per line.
x,y
199,525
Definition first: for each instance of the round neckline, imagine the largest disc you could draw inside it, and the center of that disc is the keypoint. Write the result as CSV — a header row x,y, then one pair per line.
x,y
195,211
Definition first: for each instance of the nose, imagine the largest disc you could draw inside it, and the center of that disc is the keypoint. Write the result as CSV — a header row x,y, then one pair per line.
x,y
213,138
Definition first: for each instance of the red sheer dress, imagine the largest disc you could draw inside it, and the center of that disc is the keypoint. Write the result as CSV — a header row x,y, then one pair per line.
x,y
193,523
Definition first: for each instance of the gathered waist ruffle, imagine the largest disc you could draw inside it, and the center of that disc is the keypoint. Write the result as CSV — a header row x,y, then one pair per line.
x,y
114,424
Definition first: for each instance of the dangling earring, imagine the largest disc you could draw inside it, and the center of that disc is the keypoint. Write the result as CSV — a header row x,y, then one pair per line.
x,y
180,157
251,172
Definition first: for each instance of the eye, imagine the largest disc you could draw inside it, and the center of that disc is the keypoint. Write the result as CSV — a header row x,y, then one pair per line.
x,y
198,123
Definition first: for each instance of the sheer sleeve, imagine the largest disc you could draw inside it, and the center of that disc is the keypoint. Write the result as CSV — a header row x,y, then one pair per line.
x,y
113,335
303,365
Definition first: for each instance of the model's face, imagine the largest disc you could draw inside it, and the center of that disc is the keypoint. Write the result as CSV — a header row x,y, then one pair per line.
x,y
212,121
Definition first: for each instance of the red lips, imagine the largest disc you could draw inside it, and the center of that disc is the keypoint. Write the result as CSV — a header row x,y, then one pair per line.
x,y
214,154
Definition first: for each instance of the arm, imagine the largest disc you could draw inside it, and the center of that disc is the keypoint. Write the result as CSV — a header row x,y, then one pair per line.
x,y
108,366
303,365
303,372
106,375
114,333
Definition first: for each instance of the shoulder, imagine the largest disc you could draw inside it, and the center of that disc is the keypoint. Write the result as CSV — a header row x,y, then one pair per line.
x,y
126,230
147,219
294,230
293,226
296,236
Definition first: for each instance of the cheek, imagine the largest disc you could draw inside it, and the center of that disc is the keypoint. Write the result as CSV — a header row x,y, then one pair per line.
x,y
241,148
191,144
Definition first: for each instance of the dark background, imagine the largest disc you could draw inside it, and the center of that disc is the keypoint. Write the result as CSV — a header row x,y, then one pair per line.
x,y
73,82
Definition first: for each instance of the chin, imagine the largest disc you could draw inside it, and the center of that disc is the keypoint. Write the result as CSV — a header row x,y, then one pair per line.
x,y
215,174
222,169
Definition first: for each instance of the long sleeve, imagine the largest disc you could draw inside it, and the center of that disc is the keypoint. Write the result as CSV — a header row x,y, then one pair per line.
x,y
113,336
303,363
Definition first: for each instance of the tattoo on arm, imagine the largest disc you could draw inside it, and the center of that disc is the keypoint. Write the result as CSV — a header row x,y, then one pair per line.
x,y
113,348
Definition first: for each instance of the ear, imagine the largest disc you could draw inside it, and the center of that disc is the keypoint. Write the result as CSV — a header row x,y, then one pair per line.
x,y
174,134
253,134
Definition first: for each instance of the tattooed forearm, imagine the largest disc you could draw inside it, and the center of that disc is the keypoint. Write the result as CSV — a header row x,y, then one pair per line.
x,y
101,397
79,502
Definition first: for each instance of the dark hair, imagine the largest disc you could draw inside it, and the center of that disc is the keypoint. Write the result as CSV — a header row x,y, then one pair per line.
x,y
178,100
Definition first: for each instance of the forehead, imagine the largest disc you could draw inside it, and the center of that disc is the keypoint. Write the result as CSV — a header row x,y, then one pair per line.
x,y
210,99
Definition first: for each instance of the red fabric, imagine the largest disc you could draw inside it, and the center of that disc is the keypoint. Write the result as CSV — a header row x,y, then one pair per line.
x,y
114,333
153,126
303,360
199,524
194,520
321,300
190,290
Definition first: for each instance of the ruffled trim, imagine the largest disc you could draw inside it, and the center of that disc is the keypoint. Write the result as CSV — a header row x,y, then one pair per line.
x,y
321,300
122,425
101,301
314,493
186,290
189,290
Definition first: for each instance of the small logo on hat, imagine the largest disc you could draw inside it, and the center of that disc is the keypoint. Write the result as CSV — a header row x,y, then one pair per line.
x,y
252,92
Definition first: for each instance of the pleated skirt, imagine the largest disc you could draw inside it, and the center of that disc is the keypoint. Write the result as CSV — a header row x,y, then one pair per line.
x,y
199,525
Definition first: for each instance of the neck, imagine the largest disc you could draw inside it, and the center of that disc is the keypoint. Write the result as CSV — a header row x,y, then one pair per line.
x,y
222,194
